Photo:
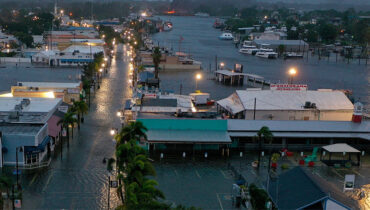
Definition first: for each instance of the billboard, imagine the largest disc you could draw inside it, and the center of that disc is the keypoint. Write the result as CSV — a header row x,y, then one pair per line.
x,y
297,87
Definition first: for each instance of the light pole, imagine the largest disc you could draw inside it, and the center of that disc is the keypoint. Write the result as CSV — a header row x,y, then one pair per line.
x,y
292,72
222,65
197,77
16,157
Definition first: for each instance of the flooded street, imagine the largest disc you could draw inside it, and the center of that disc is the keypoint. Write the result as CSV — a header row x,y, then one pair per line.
x,y
79,180
200,39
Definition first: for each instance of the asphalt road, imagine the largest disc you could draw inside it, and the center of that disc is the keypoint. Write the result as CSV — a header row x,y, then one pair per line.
x,y
79,180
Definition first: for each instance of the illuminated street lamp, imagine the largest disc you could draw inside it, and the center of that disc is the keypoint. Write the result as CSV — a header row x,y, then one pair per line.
x,y
100,70
197,77
292,72
222,65
103,65
113,131
103,36
119,113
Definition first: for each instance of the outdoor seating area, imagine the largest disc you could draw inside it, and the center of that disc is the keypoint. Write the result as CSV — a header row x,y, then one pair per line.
x,y
340,155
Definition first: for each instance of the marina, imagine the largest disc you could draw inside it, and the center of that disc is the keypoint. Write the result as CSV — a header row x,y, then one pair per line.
x,y
201,41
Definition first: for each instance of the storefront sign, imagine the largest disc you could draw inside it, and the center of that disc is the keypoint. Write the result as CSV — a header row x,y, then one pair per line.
x,y
298,87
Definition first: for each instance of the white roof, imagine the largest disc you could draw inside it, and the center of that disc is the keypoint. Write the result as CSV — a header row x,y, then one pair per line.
x,y
232,104
36,105
51,84
293,100
84,49
340,148
233,73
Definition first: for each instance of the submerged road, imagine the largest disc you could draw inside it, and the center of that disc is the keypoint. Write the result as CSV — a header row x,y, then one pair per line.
x,y
80,179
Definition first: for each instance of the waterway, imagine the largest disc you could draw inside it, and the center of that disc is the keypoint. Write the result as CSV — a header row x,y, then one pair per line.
x,y
200,40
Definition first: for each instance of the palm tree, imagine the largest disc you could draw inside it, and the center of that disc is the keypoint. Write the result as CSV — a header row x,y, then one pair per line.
x,y
157,55
68,119
264,134
81,108
133,131
5,184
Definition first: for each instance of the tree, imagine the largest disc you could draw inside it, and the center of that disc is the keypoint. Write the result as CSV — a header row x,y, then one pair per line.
x,y
134,130
281,49
259,197
68,120
81,108
264,134
328,32
25,38
157,55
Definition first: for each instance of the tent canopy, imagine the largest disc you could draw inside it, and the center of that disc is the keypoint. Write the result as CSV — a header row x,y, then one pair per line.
x,y
340,148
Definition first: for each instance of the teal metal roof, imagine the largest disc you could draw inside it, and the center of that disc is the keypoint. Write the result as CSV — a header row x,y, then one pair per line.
x,y
185,124
185,136
186,130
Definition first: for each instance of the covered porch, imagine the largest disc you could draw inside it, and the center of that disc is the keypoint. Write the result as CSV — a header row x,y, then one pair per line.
x,y
340,155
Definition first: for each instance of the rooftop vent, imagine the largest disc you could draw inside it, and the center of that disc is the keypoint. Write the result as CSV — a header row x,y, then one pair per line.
x,y
309,105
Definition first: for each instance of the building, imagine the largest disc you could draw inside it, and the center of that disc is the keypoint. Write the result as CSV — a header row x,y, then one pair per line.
x,y
70,57
268,35
301,189
192,136
69,92
325,105
289,45
31,125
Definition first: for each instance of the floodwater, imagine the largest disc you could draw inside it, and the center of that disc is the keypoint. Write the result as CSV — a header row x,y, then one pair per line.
x,y
200,40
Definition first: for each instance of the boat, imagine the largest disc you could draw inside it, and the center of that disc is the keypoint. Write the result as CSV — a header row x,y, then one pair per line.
x,y
226,36
266,54
167,26
248,49
247,43
293,55
201,14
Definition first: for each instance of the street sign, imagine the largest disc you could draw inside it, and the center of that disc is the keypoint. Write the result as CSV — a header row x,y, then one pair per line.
x,y
113,184
17,203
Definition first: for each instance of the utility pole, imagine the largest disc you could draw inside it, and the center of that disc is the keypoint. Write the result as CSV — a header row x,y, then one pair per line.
x,y
254,109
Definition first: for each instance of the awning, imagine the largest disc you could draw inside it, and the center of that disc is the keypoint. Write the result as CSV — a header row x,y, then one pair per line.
x,y
339,148
39,148
188,136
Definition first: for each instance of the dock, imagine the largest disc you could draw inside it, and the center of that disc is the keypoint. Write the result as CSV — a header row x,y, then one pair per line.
x,y
231,77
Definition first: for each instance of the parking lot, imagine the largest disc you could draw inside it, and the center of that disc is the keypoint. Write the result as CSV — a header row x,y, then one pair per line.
x,y
205,185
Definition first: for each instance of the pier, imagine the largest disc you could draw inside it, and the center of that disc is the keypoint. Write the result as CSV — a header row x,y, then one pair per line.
x,y
231,77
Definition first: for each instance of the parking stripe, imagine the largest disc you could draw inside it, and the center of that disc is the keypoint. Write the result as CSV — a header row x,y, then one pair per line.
x,y
219,201
197,174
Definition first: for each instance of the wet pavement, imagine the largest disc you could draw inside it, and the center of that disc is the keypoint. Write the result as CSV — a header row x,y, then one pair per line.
x,y
79,180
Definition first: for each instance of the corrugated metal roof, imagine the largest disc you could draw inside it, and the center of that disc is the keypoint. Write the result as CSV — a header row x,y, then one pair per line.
x,y
301,129
293,100
184,136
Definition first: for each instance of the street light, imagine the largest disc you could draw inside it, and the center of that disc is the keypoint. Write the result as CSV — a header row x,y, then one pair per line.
x,y
113,131
197,77
222,65
17,149
292,72
105,59
100,70
103,65
119,113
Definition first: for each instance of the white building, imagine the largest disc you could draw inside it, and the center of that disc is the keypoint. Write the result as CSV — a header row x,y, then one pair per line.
x,y
287,105
268,35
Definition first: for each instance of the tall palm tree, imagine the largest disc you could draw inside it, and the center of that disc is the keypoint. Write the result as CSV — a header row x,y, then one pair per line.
x,y
81,108
264,134
133,131
157,55
68,119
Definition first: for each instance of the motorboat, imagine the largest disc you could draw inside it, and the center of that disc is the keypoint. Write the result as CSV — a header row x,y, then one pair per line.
x,y
264,53
293,55
167,26
247,43
248,49
226,36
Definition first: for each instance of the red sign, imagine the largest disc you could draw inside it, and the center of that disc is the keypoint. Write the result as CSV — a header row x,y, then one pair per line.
x,y
298,87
